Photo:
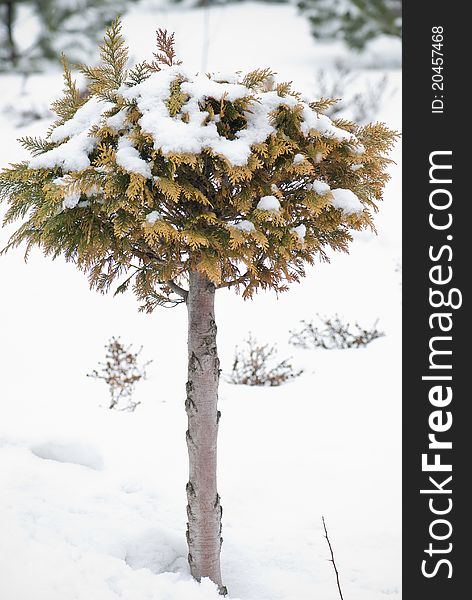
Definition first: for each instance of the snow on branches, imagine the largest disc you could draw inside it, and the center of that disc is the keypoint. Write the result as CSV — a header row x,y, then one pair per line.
x,y
158,171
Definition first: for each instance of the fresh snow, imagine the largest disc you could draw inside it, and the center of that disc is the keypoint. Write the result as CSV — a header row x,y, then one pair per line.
x,y
173,135
319,187
72,155
347,201
268,203
71,200
226,76
244,226
128,157
86,117
322,124
117,122
298,158
201,86
92,502
300,230
153,216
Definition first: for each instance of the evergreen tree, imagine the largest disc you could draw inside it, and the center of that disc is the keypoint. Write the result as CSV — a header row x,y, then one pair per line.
x,y
354,21
202,3
8,49
179,185
71,26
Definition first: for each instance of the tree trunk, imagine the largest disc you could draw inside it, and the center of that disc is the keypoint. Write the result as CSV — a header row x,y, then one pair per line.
x,y
203,509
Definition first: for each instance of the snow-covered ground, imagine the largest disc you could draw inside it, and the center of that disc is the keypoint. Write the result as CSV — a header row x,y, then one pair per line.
x,y
92,502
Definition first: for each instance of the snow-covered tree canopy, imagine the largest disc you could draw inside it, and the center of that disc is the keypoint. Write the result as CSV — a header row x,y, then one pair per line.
x,y
157,172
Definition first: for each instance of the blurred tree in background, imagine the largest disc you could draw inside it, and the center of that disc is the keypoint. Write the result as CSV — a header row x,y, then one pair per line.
x,y
49,27
194,3
354,21
8,51
73,26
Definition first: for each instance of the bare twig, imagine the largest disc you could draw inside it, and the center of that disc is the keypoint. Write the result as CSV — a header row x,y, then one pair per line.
x,y
165,54
332,558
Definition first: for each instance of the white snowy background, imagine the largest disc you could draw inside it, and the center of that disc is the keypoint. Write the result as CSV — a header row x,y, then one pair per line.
x,y
92,501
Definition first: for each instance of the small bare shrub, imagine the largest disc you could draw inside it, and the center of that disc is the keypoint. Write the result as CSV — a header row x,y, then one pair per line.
x,y
121,371
333,334
256,364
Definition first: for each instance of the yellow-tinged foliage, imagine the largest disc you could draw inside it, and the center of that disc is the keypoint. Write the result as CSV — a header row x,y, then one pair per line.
x,y
136,187
176,98
209,264
189,214
169,188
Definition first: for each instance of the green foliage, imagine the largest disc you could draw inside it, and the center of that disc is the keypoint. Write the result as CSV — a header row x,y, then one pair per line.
x,y
110,75
104,192
35,145
354,21
65,108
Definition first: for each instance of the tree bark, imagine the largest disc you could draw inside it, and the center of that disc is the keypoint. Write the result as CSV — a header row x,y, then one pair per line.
x,y
203,509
